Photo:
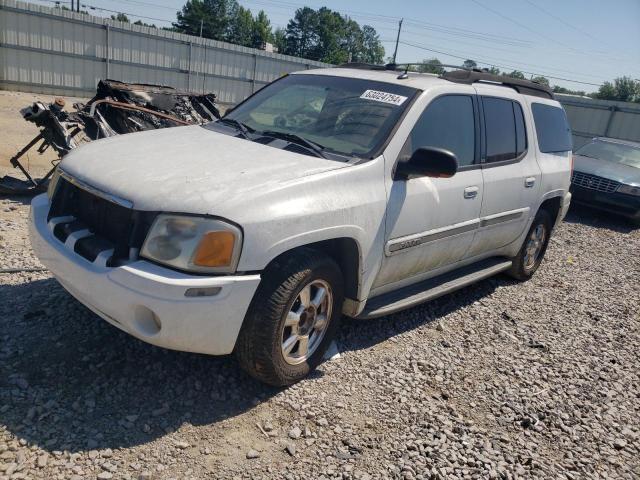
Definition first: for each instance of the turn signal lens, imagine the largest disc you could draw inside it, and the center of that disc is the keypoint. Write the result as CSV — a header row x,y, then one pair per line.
x,y
215,249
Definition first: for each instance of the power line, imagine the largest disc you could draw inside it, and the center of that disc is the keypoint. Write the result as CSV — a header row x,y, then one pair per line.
x,y
422,47
563,21
394,20
521,25
469,55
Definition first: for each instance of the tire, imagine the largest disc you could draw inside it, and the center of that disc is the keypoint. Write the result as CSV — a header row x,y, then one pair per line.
x,y
270,320
523,268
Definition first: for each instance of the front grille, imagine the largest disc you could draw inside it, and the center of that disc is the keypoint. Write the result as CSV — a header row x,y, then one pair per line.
x,y
593,182
97,228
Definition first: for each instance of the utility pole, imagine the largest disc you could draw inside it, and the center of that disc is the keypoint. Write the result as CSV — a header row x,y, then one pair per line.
x,y
201,23
395,52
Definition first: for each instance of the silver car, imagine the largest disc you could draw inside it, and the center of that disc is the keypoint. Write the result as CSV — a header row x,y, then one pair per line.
x,y
606,176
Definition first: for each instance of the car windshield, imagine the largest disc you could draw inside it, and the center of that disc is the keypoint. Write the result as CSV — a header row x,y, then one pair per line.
x,y
345,116
614,152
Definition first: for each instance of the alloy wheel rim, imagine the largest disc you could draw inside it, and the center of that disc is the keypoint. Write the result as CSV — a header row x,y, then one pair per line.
x,y
534,246
306,322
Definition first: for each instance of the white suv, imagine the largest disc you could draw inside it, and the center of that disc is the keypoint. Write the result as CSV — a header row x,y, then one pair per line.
x,y
360,191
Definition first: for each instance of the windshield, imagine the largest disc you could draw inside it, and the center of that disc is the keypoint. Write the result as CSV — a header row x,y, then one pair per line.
x,y
341,115
614,152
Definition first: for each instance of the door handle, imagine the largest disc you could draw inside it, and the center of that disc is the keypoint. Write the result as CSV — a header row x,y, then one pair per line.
x,y
529,182
470,192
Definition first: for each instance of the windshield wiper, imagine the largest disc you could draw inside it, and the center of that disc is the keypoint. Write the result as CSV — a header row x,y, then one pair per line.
x,y
244,129
293,138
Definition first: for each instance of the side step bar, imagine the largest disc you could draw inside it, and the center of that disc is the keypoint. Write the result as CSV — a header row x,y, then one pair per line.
x,y
435,287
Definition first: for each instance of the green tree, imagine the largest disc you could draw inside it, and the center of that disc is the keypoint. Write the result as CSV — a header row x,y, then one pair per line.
x,y
623,89
469,64
373,51
280,40
327,36
120,17
241,28
261,30
332,37
433,65
216,17
493,71
541,80
515,74
142,24
302,33
559,89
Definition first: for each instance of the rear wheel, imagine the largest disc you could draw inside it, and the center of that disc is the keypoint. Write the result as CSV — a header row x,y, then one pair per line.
x,y
292,318
533,249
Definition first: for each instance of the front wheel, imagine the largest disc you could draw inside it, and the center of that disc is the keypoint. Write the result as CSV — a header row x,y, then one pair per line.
x,y
292,318
528,259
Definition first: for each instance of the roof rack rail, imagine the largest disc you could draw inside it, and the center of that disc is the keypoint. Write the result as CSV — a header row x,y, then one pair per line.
x,y
465,75
526,87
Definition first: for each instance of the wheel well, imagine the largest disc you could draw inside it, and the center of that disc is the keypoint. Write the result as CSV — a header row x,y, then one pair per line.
x,y
552,207
346,253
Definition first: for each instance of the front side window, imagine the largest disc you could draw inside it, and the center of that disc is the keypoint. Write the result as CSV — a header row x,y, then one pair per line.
x,y
448,122
552,128
612,151
342,115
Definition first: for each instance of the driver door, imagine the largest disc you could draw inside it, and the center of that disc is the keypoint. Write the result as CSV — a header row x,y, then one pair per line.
x,y
431,222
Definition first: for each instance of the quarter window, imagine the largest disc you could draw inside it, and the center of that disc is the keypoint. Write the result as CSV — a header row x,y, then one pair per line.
x,y
448,122
552,127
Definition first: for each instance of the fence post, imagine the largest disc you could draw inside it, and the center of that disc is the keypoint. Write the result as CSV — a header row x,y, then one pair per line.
x,y
189,67
108,53
612,109
255,68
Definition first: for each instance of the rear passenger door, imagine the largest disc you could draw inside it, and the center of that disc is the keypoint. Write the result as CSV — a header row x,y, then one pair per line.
x,y
510,172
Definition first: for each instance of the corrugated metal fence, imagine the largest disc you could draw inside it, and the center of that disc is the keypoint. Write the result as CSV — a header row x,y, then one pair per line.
x,y
60,52
49,50
601,118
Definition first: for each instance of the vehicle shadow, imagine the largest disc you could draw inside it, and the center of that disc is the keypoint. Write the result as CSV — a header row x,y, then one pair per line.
x,y
598,219
70,381
378,330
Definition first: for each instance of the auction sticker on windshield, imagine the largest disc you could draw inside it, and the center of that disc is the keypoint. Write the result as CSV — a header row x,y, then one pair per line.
x,y
384,97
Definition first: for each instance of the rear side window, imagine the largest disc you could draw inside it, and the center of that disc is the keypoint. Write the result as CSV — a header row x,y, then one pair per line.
x,y
552,128
448,122
505,131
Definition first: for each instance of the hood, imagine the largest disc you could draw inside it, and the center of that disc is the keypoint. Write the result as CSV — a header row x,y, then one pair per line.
x,y
607,169
187,169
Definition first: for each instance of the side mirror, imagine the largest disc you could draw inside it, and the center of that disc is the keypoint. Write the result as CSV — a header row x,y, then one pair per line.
x,y
427,162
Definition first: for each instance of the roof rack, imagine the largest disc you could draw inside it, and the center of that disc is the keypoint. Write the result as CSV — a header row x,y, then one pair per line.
x,y
526,87
465,75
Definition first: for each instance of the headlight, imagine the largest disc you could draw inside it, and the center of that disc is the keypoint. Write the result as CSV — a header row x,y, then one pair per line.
x,y
195,244
53,183
629,190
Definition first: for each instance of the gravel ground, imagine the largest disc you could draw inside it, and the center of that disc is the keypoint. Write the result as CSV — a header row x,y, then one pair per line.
x,y
499,380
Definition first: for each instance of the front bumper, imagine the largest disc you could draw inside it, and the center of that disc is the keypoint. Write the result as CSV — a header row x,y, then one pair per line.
x,y
147,300
617,203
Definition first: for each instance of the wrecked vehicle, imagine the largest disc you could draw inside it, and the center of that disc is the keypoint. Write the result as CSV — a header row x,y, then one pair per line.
x,y
116,109
343,190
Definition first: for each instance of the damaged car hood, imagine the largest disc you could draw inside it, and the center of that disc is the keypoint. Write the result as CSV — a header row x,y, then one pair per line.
x,y
187,169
